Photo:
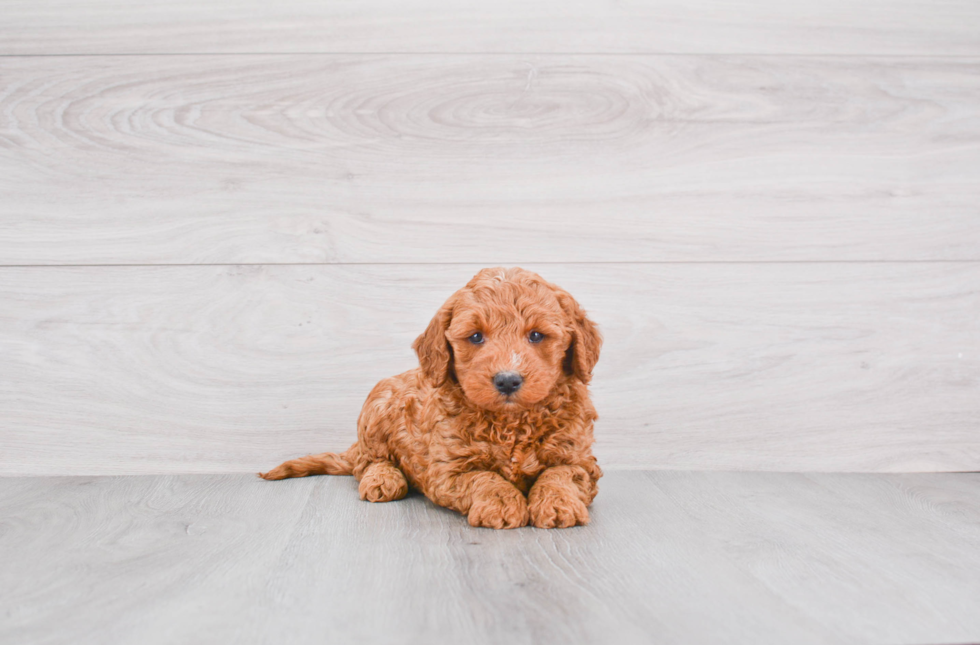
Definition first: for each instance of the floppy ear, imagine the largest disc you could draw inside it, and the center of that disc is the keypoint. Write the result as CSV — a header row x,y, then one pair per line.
x,y
434,352
583,350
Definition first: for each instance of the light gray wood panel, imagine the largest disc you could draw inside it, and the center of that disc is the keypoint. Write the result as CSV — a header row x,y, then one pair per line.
x,y
669,557
492,159
714,26
823,366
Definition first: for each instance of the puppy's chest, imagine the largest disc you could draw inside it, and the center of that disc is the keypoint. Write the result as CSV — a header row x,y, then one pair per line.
x,y
519,462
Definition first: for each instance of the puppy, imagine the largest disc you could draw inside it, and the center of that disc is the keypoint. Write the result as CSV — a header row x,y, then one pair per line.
x,y
496,422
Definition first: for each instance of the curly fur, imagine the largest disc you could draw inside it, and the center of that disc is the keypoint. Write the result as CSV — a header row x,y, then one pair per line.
x,y
445,430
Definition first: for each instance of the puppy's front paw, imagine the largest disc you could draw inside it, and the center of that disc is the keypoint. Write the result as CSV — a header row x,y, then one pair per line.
x,y
555,507
499,508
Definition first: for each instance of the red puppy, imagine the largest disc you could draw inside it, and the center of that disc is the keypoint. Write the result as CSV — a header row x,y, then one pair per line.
x,y
496,422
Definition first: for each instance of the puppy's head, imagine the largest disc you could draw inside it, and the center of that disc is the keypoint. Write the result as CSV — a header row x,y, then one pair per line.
x,y
508,338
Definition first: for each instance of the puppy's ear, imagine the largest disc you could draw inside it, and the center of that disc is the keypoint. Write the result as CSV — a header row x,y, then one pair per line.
x,y
433,349
583,350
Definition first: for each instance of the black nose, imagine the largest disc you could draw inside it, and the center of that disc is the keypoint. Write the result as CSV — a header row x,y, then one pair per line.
x,y
507,382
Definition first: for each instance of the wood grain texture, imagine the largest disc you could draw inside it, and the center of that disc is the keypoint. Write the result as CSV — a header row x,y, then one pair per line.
x,y
798,366
652,26
489,159
669,557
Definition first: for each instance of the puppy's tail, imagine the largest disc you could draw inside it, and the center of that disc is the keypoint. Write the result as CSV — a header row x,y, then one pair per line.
x,y
327,463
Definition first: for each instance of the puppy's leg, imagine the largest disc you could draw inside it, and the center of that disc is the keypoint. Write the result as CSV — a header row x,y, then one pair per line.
x,y
382,481
560,497
486,498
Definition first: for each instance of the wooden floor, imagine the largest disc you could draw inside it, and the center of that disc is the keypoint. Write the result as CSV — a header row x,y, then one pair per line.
x,y
670,557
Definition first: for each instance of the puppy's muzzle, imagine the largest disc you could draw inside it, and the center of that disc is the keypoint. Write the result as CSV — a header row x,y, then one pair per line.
x,y
507,382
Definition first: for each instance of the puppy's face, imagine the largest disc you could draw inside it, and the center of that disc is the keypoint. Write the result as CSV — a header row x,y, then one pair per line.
x,y
508,345
508,337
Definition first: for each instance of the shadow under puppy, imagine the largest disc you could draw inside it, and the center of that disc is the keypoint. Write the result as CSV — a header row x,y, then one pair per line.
x,y
496,422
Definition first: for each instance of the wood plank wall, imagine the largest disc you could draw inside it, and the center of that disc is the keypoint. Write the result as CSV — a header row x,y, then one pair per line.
x,y
221,223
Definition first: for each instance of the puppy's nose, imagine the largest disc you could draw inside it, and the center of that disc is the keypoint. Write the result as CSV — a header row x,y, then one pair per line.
x,y
507,382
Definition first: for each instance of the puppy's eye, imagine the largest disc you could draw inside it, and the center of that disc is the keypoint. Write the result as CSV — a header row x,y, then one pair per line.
x,y
535,337
476,338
